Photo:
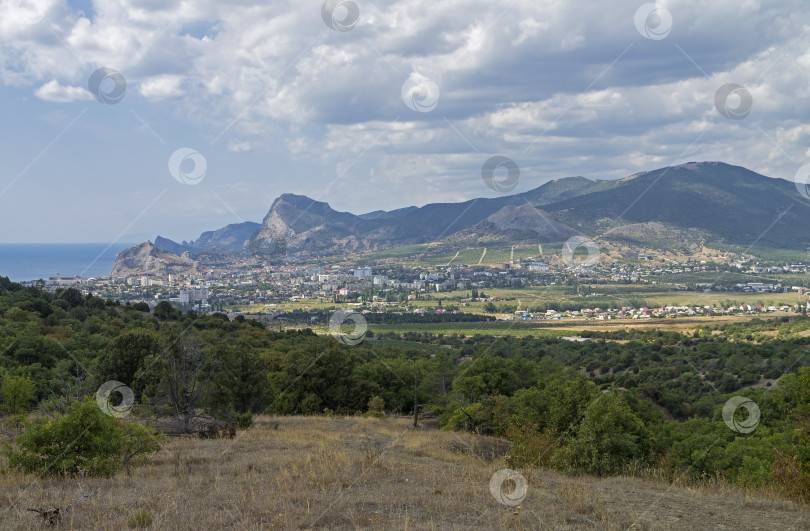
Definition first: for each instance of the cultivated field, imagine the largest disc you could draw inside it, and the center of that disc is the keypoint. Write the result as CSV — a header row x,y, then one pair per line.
x,y
563,327
612,295
362,473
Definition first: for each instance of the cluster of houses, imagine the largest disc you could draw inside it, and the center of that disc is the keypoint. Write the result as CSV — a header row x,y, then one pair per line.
x,y
650,313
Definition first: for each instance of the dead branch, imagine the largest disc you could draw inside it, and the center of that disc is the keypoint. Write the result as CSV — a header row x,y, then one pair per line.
x,y
51,515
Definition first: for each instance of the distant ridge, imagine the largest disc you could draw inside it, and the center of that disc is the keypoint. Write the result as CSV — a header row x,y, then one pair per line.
x,y
724,203
231,237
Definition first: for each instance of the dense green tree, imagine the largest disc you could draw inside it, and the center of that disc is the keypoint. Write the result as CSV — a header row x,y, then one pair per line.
x,y
237,379
609,439
569,401
164,311
73,297
124,356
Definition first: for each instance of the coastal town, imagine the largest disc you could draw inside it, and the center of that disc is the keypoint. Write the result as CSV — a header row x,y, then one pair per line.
x,y
273,290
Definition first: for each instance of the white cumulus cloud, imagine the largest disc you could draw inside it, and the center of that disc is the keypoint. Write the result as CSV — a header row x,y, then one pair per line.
x,y
161,87
53,91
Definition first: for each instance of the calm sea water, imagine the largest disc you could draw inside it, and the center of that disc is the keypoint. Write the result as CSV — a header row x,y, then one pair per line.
x,y
32,261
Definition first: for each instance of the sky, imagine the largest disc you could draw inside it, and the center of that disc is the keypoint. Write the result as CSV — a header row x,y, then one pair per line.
x,y
122,120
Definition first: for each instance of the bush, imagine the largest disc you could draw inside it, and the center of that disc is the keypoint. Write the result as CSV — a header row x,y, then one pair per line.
x,y
789,475
375,407
16,393
140,520
529,448
83,437
244,421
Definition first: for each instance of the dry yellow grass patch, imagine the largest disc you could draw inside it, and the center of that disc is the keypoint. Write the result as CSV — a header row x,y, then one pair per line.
x,y
314,472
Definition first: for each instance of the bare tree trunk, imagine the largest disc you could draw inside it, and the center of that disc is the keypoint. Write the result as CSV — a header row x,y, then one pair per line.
x,y
184,386
415,404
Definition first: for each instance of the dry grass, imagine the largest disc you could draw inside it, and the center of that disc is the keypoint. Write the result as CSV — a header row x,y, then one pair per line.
x,y
304,472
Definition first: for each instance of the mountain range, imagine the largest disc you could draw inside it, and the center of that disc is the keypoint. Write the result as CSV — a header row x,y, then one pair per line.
x,y
712,201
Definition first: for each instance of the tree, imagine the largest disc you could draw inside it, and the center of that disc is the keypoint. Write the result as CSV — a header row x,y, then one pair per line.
x,y
237,380
568,402
165,311
141,307
486,375
609,439
173,376
73,297
184,361
16,393
792,469
124,356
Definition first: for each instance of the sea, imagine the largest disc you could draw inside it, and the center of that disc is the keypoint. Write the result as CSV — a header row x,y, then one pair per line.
x,y
33,261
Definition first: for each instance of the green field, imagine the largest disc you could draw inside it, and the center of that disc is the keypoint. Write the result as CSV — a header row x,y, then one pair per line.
x,y
397,252
494,328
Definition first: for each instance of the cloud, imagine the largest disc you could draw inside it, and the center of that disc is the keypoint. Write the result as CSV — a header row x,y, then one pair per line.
x,y
239,146
53,91
560,87
161,87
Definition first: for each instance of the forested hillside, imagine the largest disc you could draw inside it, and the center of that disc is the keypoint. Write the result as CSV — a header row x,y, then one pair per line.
x,y
625,402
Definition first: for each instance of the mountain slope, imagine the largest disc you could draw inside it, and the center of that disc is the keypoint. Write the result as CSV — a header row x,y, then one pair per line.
x,y
732,204
514,224
300,224
679,206
230,237
146,258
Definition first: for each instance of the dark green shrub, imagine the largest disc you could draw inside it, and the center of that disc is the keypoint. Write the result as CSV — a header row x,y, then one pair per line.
x,y
244,421
83,437
609,440
375,407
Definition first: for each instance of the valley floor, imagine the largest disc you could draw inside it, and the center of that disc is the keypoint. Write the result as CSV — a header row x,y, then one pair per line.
x,y
349,473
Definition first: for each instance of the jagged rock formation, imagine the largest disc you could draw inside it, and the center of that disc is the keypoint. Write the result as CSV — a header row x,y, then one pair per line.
x,y
146,258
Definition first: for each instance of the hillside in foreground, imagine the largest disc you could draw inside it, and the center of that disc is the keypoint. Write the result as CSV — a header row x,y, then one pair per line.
x,y
350,473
